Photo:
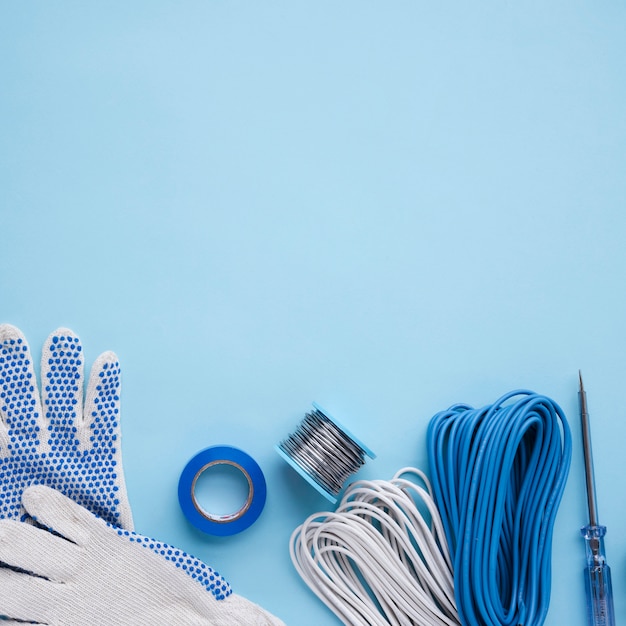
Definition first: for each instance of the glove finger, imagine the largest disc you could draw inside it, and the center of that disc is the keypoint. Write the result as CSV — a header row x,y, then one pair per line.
x,y
102,436
53,510
20,407
62,388
37,551
21,419
24,597
102,404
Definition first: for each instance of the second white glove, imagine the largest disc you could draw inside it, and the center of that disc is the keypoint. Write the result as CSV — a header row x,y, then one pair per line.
x,y
88,572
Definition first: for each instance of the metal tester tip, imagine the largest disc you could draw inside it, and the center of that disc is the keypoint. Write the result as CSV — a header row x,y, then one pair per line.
x,y
587,453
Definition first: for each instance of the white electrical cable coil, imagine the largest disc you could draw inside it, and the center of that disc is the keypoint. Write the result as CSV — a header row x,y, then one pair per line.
x,y
382,557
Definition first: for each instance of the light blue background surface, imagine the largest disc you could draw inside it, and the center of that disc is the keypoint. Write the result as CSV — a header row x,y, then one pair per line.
x,y
386,208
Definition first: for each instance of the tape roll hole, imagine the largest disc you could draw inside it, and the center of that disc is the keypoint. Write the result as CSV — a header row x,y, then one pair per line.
x,y
222,491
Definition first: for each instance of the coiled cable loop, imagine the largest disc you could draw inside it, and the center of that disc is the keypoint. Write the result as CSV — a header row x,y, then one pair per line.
x,y
498,476
381,558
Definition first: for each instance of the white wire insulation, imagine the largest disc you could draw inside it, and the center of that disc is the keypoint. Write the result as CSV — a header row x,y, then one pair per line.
x,y
382,557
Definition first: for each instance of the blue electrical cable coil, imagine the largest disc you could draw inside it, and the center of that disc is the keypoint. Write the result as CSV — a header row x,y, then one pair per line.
x,y
498,476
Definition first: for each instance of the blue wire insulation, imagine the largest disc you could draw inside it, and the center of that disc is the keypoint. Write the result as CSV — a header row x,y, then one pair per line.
x,y
498,475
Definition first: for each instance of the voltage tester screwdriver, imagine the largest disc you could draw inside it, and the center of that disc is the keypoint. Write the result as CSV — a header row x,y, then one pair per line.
x,y
598,585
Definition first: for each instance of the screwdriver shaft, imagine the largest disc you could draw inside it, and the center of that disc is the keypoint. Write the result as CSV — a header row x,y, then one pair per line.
x,y
598,586
588,454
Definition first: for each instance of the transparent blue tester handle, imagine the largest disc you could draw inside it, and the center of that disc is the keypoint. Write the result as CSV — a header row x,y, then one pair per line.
x,y
598,578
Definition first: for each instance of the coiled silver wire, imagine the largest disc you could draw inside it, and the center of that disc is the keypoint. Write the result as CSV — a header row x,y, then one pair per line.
x,y
324,451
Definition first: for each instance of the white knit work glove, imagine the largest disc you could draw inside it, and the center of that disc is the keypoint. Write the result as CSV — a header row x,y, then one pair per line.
x,y
55,439
88,572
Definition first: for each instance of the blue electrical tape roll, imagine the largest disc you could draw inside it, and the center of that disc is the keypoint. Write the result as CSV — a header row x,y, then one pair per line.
x,y
233,523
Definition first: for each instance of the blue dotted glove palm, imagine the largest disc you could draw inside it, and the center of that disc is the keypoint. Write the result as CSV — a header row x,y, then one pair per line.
x,y
56,439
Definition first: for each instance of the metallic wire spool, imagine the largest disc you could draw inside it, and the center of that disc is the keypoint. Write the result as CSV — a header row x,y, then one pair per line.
x,y
324,452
